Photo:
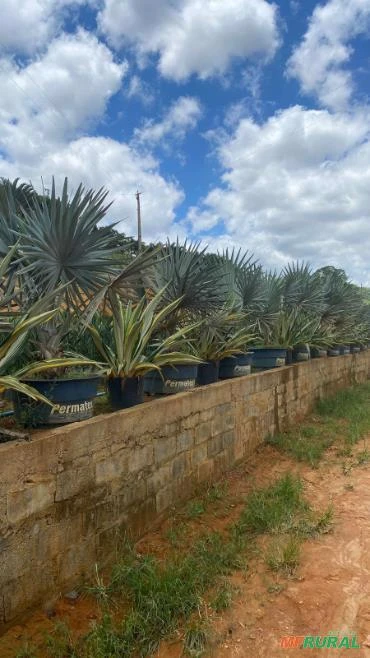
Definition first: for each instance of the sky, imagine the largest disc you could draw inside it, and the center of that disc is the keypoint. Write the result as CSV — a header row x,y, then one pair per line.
x,y
244,123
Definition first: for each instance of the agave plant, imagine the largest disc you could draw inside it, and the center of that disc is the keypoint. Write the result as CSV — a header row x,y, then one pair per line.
x,y
290,328
222,334
134,348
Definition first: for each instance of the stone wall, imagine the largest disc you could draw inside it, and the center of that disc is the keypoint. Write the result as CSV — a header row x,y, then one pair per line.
x,y
70,493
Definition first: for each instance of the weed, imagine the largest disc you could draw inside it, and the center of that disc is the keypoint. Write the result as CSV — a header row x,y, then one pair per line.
x,y
363,457
284,554
61,644
196,638
175,534
297,445
275,588
100,590
195,509
343,418
27,651
313,524
269,509
223,598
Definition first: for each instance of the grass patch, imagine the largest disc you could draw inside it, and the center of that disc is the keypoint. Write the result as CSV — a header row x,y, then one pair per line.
x,y
343,418
284,554
155,597
222,598
272,508
214,494
27,652
61,644
196,638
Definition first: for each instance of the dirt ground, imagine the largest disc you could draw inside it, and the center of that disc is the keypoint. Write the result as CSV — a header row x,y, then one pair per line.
x,y
330,591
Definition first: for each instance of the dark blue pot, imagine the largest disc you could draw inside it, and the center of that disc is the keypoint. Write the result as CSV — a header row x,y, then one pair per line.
x,y
73,399
265,358
344,349
355,349
208,372
334,351
174,379
238,365
125,392
301,353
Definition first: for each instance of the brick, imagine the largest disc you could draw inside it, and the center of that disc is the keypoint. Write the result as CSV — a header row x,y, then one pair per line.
x,y
185,440
30,500
202,432
215,446
164,449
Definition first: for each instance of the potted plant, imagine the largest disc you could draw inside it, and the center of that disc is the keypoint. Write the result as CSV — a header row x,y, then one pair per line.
x,y
63,253
134,347
220,341
277,337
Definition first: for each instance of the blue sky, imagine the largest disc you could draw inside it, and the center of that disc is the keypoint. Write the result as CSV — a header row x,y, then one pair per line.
x,y
245,123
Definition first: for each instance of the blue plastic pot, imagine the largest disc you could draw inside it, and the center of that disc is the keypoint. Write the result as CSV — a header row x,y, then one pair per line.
x,y
265,358
238,365
73,400
174,379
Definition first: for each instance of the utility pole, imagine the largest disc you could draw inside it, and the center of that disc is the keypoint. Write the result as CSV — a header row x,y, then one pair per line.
x,y
138,220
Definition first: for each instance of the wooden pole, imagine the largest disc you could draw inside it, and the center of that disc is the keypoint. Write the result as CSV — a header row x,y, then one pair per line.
x,y
138,220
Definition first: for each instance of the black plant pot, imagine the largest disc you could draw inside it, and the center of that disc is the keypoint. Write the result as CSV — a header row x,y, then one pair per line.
x,y
173,379
334,351
355,349
318,352
125,392
265,358
301,353
208,372
73,400
344,349
289,357
238,365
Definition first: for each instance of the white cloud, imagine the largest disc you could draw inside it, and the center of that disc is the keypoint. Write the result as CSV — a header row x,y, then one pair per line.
x,y
99,161
192,36
183,115
318,62
140,89
27,25
295,187
48,101
46,108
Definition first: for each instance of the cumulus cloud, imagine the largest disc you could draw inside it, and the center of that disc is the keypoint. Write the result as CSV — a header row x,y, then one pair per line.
x,y
183,115
46,108
319,61
99,161
46,102
27,25
192,36
294,187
